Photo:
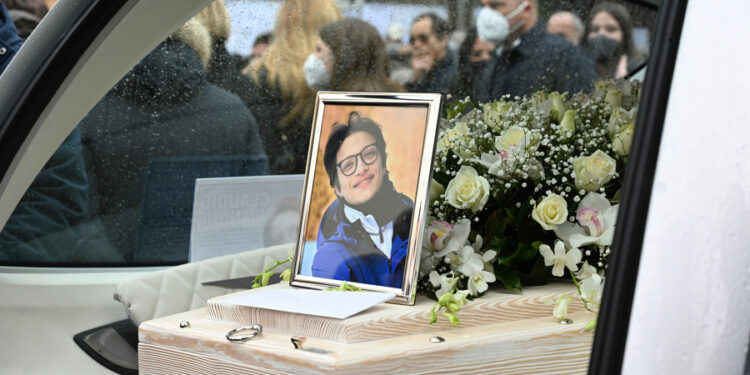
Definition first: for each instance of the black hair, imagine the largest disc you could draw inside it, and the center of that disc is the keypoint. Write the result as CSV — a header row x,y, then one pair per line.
x,y
340,132
440,27
264,38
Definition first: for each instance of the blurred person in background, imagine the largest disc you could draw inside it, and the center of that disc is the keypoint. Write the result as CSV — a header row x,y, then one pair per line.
x,y
40,227
434,67
26,14
11,41
349,56
399,54
279,96
166,103
609,40
260,44
224,69
473,54
528,58
567,25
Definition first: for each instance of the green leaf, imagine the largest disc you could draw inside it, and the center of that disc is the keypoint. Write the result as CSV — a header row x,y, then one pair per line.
x,y
525,211
522,253
528,252
536,245
539,274
509,277
492,227
265,278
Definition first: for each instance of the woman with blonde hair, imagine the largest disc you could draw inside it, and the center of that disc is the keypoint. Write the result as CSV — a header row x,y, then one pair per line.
x,y
224,69
280,99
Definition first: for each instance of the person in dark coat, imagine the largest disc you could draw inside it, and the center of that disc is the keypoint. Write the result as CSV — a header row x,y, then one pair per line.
x,y
364,233
279,97
163,108
26,14
530,58
57,199
434,66
473,55
10,42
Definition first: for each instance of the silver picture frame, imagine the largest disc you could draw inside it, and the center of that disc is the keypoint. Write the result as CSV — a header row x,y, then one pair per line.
x,y
415,164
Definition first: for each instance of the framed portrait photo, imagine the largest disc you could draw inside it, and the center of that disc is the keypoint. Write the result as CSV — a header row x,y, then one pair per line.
x,y
366,191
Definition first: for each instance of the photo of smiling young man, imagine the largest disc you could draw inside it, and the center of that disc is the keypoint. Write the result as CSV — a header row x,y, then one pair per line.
x,y
364,233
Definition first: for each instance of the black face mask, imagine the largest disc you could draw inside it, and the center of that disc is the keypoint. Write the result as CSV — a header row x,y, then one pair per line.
x,y
604,50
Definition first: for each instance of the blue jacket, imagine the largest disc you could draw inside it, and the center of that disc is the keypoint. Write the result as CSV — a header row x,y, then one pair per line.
x,y
541,62
346,251
10,42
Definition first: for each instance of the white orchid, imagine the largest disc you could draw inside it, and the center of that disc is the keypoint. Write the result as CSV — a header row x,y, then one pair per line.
x,y
465,261
586,271
444,281
597,223
442,237
560,258
478,281
591,290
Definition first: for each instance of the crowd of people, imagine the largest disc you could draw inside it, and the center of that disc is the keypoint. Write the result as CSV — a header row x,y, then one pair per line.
x,y
509,51
190,96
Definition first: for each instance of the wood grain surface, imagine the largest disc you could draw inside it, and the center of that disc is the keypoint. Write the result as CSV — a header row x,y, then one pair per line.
x,y
530,346
389,320
500,334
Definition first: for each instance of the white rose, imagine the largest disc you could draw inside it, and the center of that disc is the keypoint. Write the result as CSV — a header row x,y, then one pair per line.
x,y
623,140
558,107
614,97
436,189
551,211
568,123
494,112
468,190
514,138
592,172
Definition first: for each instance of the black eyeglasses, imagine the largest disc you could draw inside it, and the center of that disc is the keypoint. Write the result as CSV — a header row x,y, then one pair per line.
x,y
420,37
369,155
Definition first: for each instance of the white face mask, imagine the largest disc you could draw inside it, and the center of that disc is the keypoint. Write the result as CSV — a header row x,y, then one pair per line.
x,y
316,74
493,27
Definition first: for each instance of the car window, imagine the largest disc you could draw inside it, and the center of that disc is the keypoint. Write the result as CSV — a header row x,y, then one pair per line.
x,y
231,93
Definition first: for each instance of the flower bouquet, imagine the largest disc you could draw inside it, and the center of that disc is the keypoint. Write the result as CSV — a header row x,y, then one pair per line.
x,y
525,190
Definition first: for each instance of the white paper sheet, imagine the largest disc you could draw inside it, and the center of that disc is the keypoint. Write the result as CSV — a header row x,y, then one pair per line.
x,y
333,304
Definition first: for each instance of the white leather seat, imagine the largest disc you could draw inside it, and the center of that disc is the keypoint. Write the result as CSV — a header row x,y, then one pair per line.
x,y
181,288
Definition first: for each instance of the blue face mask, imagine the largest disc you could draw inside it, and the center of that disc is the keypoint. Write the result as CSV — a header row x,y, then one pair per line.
x,y
493,27
317,76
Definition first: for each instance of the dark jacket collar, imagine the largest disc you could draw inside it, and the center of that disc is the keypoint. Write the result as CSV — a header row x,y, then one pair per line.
x,y
170,75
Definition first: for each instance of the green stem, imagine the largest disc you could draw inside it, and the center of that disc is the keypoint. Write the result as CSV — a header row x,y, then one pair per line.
x,y
578,287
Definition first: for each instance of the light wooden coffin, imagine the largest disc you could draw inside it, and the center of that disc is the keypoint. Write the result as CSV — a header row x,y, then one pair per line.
x,y
500,333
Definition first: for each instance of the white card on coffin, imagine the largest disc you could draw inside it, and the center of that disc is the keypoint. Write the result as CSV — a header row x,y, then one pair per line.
x,y
332,304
